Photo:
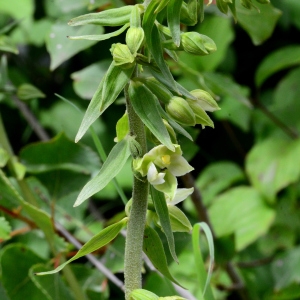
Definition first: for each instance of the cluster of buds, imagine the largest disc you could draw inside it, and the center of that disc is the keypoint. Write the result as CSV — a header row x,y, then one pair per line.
x,y
162,166
190,112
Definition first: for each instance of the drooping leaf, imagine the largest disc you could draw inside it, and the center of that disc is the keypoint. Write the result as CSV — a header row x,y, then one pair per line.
x,y
27,92
111,17
161,209
154,249
244,213
109,170
203,278
61,48
276,61
16,261
259,25
100,37
110,87
99,240
174,9
145,105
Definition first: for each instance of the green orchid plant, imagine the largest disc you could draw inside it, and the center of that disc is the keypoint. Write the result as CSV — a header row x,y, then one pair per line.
x,y
157,110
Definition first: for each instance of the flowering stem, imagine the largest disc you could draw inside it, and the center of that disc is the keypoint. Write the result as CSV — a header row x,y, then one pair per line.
x,y
137,219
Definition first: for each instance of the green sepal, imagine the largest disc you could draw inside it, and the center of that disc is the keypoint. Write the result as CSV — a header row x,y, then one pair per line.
x,y
145,105
179,221
108,90
110,169
154,249
111,17
96,242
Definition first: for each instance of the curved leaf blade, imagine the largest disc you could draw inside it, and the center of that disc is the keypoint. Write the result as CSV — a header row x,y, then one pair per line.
x,y
110,169
108,90
174,9
99,240
154,249
162,211
145,105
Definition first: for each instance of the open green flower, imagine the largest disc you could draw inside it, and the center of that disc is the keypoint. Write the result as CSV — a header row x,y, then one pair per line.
x,y
161,166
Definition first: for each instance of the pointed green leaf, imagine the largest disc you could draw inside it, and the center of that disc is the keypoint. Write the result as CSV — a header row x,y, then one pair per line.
x,y
203,279
111,167
161,209
111,17
154,249
108,90
99,240
100,37
27,92
140,294
276,61
4,157
122,127
145,105
174,9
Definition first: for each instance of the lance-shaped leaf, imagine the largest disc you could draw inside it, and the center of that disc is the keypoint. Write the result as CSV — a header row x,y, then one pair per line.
x,y
108,90
111,167
174,9
161,209
99,240
154,249
145,106
100,37
111,17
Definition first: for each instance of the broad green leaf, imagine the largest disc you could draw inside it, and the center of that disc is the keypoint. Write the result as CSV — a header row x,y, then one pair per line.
x,y
273,164
6,45
99,240
161,209
111,167
59,154
174,9
86,81
111,17
276,61
4,157
259,25
179,221
141,294
145,105
52,288
217,177
100,37
61,48
5,229
27,91
244,213
203,278
110,87
286,269
154,249
17,9
16,261
41,218
287,111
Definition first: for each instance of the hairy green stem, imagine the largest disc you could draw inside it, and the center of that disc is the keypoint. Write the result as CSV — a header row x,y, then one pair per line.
x,y
137,219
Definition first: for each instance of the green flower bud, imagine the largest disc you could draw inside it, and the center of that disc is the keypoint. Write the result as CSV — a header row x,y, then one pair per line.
x,y
222,6
247,3
180,111
122,55
134,39
189,13
151,137
198,44
204,100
